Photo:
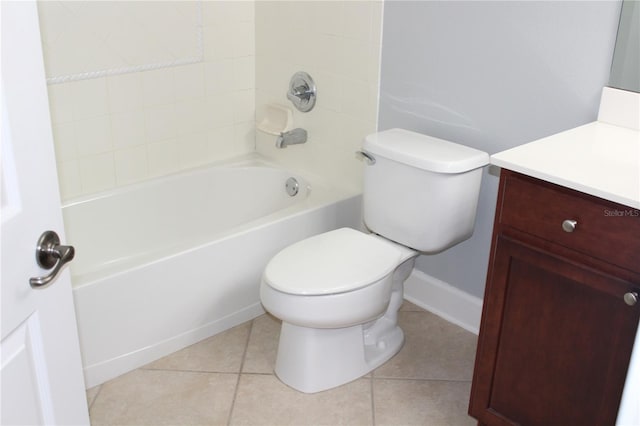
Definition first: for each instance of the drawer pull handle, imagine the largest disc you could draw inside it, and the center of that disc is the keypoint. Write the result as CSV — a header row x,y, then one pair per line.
x,y
631,298
569,225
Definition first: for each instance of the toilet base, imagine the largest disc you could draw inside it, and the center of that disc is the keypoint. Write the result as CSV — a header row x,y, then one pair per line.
x,y
316,359
312,359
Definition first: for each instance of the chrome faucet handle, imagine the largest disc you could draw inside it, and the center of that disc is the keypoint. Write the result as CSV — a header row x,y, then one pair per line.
x,y
302,91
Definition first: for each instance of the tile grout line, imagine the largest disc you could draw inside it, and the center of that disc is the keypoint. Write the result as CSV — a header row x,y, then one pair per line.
x,y
373,400
244,355
93,400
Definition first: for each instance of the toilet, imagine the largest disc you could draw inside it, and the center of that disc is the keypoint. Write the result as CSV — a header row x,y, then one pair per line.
x,y
338,293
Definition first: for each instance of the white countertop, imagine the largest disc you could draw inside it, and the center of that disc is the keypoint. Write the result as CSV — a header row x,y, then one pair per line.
x,y
598,158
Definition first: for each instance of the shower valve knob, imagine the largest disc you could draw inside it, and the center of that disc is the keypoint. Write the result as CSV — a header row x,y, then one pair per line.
x,y
302,91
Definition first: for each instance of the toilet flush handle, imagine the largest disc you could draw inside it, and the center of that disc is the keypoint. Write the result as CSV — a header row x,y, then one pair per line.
x,y
370,159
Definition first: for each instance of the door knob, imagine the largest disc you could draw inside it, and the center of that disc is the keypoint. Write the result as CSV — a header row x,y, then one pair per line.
x,y
51,254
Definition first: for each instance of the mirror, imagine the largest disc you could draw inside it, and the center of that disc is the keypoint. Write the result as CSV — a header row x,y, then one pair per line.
x,y
625,68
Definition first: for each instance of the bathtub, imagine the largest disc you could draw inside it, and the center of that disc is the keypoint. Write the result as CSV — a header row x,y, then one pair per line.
x,y
163,264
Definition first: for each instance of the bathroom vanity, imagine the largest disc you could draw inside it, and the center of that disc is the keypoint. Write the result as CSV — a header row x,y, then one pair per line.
x,y
561,308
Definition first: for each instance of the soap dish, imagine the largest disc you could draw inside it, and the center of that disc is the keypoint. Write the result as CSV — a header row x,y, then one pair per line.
x,y
277,119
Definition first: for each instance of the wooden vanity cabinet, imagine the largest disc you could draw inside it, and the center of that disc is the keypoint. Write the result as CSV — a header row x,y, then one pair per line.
x,y
559,319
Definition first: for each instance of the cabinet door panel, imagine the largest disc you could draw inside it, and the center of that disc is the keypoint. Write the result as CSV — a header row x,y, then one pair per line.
x,y
554,336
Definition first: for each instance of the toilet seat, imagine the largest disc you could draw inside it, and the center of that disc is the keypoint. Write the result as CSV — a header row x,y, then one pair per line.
x,y
334,262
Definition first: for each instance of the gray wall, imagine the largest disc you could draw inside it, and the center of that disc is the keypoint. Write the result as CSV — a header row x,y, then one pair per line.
x,y
491,75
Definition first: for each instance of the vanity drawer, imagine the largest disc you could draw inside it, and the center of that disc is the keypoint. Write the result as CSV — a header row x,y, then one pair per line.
x,y
603,229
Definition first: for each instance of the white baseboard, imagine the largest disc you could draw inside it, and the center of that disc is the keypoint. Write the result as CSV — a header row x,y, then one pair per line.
x,y
444,300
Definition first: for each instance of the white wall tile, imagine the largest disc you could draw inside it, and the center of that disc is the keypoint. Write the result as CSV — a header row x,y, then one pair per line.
x,y
64,140
193,149
89,98
93,136
163,157
244,73
331,48
243,39
219,110
97,172
221,142
131,165
219,76
127,129
356,59
357,20
125,92
53,16
69,179
360,101
158,87
244,137
217,41
190,116
189,81
160,122
61,103
329,17
241,11
213,12
377,10
244,106
333,90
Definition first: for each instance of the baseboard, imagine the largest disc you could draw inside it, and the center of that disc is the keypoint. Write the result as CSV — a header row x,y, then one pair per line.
x,y
444,300
97,374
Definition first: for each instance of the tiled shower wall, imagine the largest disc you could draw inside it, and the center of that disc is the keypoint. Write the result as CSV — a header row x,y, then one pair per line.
x,y
119,129
338,44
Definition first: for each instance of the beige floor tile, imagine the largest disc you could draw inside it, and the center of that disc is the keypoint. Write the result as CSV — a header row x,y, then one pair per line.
x,y
420,402
221,353
263,345
410,307
433,349
154,397
264,400
91,395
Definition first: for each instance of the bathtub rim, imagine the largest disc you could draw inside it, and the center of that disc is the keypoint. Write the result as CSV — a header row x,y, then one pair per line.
x,y
246,160
320,193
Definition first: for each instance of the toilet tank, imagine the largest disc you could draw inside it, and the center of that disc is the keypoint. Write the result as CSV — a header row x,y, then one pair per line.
x,y
421,192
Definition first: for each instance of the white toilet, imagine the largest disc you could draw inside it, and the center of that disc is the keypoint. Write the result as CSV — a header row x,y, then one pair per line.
x,y
338,293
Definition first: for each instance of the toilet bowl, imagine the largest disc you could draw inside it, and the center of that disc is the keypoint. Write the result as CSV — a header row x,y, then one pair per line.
x,y
338,293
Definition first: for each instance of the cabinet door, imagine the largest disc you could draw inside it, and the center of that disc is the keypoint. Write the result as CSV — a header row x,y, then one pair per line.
x,y
555,341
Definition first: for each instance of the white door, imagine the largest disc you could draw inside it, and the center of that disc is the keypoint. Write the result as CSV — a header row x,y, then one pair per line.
x,y
41,376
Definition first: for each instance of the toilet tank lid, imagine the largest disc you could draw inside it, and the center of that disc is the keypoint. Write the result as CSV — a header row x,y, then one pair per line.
x,y
424,152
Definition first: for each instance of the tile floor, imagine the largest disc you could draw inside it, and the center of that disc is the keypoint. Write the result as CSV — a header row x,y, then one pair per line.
x,y
228,380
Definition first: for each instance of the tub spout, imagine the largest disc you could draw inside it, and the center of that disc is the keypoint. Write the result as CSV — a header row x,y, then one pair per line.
x,y
292,137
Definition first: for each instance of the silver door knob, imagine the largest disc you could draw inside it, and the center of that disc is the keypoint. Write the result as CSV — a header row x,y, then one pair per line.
x,y
569,225
51,254
631,298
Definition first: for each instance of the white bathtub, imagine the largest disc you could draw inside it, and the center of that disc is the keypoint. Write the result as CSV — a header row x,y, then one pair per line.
x,y
163,264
